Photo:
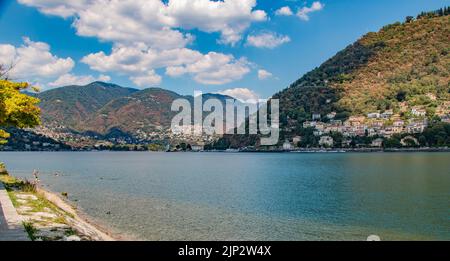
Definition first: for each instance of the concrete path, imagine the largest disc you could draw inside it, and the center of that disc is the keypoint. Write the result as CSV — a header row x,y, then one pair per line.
x,y
11,227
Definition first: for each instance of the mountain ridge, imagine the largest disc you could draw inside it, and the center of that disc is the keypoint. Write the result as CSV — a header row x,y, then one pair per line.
x,y
101,107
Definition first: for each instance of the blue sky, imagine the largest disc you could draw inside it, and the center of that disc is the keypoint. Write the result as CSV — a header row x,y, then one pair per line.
x,y
246,48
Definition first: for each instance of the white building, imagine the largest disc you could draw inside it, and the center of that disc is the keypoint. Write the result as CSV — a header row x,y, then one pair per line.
x,y
377,143
419,112
326,141
287,145
316,116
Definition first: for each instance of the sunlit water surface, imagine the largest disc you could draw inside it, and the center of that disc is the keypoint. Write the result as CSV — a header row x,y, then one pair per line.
x,y
246,196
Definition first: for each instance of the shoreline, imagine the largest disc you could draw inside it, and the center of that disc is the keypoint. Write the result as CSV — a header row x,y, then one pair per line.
x,y
309,150
79,220
46,216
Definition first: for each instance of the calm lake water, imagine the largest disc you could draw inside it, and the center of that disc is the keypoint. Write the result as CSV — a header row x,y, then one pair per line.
x,y
240,196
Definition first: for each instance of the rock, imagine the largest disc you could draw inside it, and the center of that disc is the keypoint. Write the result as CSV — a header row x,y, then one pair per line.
x,y
22,201
72,238
26,196
44,215
373,238
24,209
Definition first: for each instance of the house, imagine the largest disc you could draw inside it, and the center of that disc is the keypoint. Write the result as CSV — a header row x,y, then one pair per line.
x,y
198,147
372,132
287,145
377,143
318,133
416,127
309,124
331,115
346,142
445,118
326,141
373,115
296,140
316,116
336,122
398,123
320,126
418,112
356,121
387,114
377,124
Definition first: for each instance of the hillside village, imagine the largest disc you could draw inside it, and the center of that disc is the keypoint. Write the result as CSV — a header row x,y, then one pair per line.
x,y
378,125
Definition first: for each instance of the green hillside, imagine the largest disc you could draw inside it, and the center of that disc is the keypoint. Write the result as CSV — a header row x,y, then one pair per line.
x,y
71,105
401,66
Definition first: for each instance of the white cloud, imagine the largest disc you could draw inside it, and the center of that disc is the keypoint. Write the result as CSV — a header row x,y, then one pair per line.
x,y
147,80
213,68
33,61
242,94
150,34
267,40
139,59
153,21
54,7
263,74
139,62
304,12
71,79
229,17
284,11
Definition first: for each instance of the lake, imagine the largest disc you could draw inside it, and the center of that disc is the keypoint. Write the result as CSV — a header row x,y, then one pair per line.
x,y
252,196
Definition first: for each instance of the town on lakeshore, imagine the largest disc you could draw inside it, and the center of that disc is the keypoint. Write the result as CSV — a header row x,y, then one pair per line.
x,y
376,130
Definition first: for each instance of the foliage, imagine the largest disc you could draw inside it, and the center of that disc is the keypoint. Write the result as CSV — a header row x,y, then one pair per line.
x,y
16,108
31,230
436,135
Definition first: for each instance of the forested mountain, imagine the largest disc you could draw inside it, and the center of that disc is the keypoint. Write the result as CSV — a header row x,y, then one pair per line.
x,y
403,65
72,105
101,108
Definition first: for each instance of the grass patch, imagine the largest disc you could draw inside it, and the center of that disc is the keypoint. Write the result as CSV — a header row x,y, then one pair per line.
x,y
31,230
70,232
12,183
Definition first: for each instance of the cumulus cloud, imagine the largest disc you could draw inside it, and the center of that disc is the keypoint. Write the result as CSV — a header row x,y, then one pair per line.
x,y
284,11
267,40
263,74
146,80
304,12
213,68
242,94
151,34
71,79
33,61
139,62
153,21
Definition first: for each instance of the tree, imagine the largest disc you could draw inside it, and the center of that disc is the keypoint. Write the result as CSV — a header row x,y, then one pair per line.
x,y
16,108
409,19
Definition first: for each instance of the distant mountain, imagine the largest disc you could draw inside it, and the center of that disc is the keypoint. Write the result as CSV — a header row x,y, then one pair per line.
x,y
145,110
72,105
108,109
